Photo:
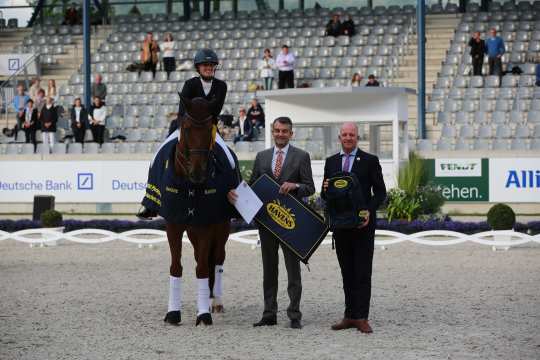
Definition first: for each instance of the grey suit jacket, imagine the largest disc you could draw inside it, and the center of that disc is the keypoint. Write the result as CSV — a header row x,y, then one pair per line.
x,y
295,169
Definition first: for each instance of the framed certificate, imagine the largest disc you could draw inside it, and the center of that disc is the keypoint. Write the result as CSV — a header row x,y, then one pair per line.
x,y
293,223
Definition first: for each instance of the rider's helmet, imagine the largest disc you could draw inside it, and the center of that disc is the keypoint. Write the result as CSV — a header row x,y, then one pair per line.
x,y
205,56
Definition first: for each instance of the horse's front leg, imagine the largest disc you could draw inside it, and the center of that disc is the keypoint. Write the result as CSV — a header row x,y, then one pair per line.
x,y
200,238
174,309
217,259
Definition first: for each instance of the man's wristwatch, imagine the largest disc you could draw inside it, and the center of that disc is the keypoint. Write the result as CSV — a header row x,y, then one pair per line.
x,y
297,185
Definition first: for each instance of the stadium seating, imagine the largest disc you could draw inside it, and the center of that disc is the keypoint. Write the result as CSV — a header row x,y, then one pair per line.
x,y
470,112
139,104
496,113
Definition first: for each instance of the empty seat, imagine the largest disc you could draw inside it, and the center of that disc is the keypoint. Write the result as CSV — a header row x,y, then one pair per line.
x,y
518,144
424,145
503,131
75,148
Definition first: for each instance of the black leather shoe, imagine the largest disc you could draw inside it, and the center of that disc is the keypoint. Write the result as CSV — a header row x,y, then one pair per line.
x,y
205,319
173,317
296,324
146,214
271,321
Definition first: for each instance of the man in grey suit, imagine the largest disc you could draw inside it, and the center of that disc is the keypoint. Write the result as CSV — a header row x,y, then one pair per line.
x,y
291,168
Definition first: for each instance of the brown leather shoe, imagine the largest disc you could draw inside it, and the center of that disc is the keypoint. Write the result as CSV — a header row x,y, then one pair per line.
x,y
363,326
343,324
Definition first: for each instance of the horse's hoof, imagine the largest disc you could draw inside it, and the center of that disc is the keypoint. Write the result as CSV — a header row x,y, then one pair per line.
x,y
173,317
205,319
218,309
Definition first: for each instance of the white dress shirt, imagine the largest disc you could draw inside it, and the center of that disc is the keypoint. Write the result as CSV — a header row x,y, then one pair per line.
x,y
207,86
78,114
167,48
274,157
282,58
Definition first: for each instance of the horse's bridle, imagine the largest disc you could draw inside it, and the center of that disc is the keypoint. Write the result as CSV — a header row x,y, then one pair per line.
x,y
188,152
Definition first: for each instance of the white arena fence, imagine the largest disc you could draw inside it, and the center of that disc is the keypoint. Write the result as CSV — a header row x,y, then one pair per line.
x,y
383,238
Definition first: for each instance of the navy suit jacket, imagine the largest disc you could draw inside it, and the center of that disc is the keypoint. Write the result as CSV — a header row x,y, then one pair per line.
x,y
368,170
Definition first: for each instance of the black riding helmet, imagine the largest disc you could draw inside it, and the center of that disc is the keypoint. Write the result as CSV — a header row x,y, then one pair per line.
x,y
205,56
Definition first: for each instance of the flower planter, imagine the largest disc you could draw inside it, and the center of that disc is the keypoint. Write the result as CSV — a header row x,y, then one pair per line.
x,y
45,237
497,236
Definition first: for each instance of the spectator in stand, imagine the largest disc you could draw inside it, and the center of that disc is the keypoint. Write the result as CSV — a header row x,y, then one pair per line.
x,y
333,27
348,27
72,16
372,81
285,64
167,47
40,101
245,128
18,104
79,120
51,90
47,120
29,123
356,80
149,53
97,115
478,49
255,114
266,67
34,89
495,50
99,89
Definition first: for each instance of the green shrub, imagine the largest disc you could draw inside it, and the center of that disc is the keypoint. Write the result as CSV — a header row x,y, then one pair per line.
x,y
501,217
402,206
412,175
431,199
51,218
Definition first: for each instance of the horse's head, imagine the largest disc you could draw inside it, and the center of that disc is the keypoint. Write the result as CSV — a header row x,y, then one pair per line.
x,y
197,138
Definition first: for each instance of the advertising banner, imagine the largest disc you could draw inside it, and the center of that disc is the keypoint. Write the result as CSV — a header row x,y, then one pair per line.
x,y
460,179
12,63
73,181
514,180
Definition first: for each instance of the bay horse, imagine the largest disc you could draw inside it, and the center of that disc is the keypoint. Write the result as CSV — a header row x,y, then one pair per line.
x,y
197,177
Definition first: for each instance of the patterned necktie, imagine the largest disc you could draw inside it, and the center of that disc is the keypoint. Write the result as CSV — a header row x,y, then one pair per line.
x,y
347,162
279,163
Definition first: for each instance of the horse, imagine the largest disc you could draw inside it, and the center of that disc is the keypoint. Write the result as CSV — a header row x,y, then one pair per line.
x,y
197,177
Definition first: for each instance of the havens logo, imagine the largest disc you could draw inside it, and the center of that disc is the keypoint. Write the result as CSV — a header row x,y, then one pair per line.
x,y
340,184
281,215
458,167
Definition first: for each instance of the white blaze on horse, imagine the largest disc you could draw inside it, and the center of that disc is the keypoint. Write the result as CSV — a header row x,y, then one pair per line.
x,y
197,176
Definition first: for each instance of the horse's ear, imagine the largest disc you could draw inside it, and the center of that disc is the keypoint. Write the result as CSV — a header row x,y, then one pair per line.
x,y
186,103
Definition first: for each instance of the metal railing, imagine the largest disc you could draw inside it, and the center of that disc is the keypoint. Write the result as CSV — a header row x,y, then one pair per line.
x,y
7,89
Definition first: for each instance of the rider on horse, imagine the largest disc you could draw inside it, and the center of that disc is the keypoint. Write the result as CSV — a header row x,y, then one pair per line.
x,y
206,86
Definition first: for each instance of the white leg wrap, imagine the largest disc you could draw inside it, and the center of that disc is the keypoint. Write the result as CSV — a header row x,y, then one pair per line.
x,y
203,297
218,283
175,293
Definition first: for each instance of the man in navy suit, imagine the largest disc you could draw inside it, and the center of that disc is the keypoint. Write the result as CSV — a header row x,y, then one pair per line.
x,y
354,247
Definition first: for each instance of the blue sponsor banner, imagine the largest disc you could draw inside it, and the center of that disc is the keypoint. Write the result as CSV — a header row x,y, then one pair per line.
x,y
292,222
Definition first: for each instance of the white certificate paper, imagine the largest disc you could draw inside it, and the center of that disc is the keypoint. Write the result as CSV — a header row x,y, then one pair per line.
x,y
248,203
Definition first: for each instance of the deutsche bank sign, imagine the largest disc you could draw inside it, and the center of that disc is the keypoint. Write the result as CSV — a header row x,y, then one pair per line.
x,y
73,181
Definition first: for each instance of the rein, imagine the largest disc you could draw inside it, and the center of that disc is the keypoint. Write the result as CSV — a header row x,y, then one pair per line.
x,y
185,156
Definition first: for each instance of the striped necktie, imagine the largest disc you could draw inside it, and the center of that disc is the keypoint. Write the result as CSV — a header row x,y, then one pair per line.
x,y
279,163
347,162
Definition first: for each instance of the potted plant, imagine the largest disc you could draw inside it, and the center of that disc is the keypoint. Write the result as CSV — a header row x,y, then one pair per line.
x,y
51,220
501,217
